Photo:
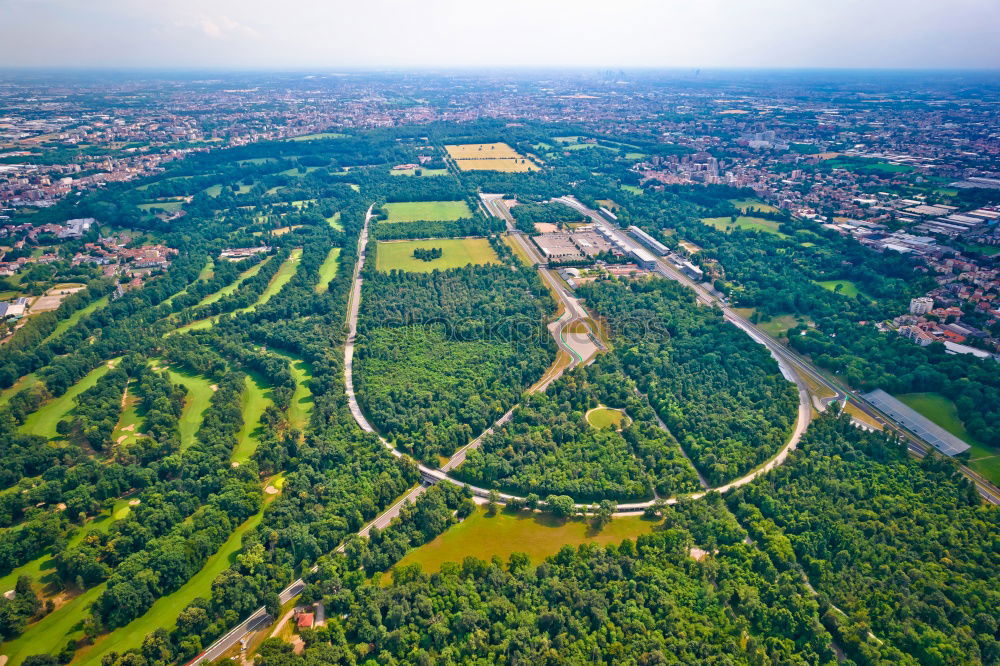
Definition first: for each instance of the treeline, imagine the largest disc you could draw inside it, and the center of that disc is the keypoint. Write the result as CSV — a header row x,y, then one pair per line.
x,y
550,448
718,391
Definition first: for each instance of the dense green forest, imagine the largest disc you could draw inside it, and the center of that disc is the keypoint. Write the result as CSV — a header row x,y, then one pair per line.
x,y
550,448
440,356
717,390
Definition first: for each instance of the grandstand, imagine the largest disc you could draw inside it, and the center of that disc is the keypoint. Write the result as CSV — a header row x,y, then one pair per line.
x,y
919,425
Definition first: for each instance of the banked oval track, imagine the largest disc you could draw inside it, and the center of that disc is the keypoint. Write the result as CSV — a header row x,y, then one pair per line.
x,y
438,475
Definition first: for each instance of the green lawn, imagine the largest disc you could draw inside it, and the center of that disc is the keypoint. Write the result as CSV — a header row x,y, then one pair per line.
x,y
129,421
334,222
634,189
606,417
424,173
302,203
72,320
43,421
536,534
294,171
456,252
302,400
427,211
199,395
847,288
942,411
24,382
778,326
52,632
328,269
254,401
743,204
164,611
744,222
280,279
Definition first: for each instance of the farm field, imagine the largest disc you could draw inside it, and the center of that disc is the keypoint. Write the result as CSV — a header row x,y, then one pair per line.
x,y
328,270
427,211
522,165
538,535
480,151
847,288
199,395
43,421
943,412
457,252
744,222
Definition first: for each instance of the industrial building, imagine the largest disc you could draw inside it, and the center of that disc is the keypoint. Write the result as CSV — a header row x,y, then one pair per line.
x,y
922,427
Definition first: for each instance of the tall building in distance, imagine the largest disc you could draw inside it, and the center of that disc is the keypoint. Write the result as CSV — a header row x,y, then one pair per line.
x,y
921,305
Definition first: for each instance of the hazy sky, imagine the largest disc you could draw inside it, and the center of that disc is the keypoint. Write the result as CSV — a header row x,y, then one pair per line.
x,y
257,34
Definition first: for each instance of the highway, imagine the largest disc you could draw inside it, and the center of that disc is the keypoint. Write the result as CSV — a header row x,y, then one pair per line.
x,y
803,366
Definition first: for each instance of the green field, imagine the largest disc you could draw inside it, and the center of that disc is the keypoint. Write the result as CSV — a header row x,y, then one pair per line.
x,y
328,270
457,252
631,188
254,401
71,321
318,135
538,535
295,173
52,632
43,421
302,400
424,173
744,222
606,417
164,611
743,204
334,222
847,288
24,382
199,395
427,211
942,411
129,421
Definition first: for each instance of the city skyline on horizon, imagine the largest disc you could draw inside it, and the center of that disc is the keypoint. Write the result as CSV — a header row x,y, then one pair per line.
x,y
387,34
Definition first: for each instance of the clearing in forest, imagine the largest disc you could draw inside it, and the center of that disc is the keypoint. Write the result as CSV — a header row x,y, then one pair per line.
x,y
607,417
489,157
455,253
427,211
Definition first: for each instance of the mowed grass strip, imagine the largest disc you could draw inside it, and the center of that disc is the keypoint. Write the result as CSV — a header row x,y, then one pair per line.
x,y
164,611
43,421
456,252
538,535
744,222
845,287
328,270
427,211
199,395
256,398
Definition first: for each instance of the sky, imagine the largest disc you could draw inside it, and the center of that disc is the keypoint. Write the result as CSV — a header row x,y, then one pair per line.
x,y
380,34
